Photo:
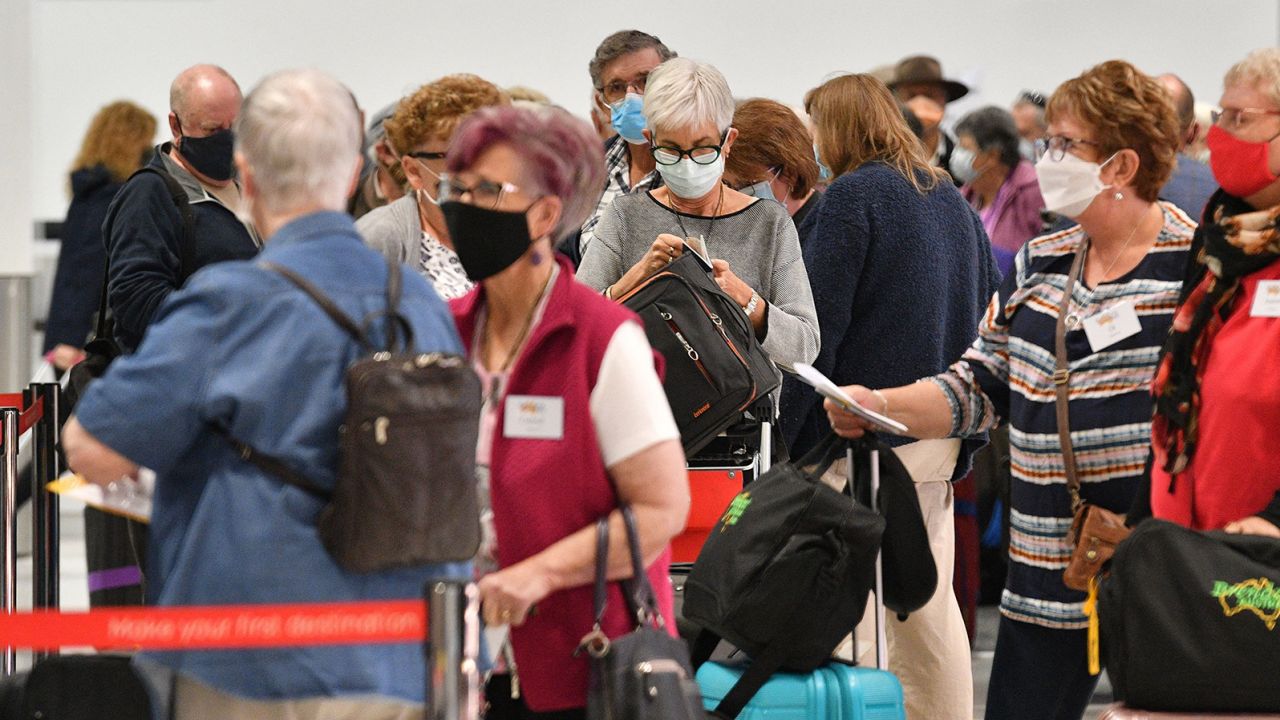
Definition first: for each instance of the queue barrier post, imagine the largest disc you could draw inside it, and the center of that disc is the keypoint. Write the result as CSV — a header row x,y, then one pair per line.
x,y
45,505
9,526
453,646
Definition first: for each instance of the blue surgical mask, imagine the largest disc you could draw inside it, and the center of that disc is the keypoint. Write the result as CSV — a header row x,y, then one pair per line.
x,y
627,117
824,172
762,190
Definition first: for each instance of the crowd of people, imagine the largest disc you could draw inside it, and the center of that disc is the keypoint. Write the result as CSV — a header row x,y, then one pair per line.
x,y
951,276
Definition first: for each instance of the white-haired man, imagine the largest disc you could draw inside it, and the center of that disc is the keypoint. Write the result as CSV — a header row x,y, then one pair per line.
x,y
241,350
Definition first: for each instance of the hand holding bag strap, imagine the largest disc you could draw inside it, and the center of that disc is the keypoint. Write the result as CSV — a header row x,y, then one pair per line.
x,y
1062,376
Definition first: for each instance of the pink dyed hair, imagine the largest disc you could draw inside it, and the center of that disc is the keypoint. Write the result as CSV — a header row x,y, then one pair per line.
x,y
562,155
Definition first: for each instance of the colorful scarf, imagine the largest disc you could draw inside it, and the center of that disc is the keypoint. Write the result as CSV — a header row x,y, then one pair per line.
x,y
1233,247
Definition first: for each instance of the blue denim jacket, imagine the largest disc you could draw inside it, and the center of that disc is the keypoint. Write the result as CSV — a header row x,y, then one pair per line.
x,y
241,347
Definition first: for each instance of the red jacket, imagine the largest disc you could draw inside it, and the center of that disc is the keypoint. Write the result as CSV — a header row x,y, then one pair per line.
x,y
545,490
1235,471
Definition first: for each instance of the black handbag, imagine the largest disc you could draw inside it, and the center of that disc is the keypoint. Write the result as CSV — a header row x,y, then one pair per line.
x,y
405,492
715,367
1189,620
645,674
85,687
785,574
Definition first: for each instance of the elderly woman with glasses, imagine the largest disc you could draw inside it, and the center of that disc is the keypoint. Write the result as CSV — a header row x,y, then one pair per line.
x,y
411,229
1113,138
574,422
752,244
1216,391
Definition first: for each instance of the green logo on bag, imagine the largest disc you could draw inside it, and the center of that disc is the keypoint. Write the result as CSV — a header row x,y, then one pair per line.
x,y
735,510
1259,596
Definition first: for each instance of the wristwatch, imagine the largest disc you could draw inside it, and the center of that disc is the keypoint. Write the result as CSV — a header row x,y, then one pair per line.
x,y
750,307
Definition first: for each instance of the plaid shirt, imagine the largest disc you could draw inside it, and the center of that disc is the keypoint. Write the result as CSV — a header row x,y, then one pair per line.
x,y
617,163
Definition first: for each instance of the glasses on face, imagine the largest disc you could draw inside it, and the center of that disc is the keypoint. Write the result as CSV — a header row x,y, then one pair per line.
x,y
424,156
1234,118
483,193
670,155
1056,146
616,90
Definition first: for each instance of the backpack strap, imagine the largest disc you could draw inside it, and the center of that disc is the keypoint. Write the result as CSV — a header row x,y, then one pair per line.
x,y
272,466
327,305
395,321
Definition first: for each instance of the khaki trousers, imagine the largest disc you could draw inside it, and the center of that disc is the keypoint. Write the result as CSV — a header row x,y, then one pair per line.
x,y
196,701
929,652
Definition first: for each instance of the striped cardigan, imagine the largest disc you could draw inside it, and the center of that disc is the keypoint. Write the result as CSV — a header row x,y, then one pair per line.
x,y
1006,376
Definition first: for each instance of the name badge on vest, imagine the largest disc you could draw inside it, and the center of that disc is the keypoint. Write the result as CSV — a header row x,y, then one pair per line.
x,y
1112,325
533,417
1266,301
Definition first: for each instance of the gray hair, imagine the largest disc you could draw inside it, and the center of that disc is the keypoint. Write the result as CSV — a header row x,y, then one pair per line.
x,y
299,132
992,127
623,42
1260,67
684,93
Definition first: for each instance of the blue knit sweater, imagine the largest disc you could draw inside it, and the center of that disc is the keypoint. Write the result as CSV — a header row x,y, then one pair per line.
x,y
900,280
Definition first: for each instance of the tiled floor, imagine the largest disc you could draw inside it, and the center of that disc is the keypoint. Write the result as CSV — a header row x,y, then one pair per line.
x,y
75,596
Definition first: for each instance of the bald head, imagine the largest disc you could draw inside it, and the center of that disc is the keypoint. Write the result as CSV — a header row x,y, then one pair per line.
x,y
204,98
1183,101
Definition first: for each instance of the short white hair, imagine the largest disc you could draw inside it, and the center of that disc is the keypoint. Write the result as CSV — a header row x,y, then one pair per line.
x,y
1260,68
299,131
684,93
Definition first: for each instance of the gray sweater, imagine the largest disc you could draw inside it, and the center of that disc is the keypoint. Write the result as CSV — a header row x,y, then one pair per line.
x,y
394,230
759,242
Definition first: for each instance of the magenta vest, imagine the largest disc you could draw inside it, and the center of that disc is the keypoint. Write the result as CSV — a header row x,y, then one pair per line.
x,y
545,490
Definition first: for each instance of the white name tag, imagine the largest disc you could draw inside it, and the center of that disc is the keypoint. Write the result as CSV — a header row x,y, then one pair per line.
x,y
533,417
1266,302
1111,326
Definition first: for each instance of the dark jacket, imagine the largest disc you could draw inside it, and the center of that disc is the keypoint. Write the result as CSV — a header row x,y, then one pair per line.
x,y
1190,186
900,280
142,232
77,282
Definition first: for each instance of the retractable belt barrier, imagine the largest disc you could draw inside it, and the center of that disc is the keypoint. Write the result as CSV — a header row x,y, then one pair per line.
x,y
35,411
452,637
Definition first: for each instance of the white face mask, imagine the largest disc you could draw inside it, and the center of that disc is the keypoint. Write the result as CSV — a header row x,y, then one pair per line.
x,y
1070,184
962,165
689,180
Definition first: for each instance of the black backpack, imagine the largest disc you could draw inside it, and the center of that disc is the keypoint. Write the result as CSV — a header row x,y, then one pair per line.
x,y
785,574
1189,621
715,367
406,488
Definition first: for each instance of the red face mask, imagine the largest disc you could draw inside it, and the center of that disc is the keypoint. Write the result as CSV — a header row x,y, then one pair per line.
x,y
1241,168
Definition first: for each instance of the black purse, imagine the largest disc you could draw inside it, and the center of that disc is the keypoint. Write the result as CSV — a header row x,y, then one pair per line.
x,y
645,674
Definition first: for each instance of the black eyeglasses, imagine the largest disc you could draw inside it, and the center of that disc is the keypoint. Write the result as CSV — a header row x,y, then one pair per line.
x,y
670,155
1056,146
616,90
484,193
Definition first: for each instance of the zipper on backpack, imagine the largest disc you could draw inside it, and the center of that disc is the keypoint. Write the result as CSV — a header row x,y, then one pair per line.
x,y
693,354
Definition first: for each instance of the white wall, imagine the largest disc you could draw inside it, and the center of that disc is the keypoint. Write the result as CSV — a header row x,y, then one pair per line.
x,y
15,124
88,53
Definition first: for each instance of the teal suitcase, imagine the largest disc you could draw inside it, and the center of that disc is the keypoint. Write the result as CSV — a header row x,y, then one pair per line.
x,y
835,691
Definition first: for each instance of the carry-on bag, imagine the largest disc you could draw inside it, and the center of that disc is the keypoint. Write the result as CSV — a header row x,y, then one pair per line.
x,y
754,690
1188,620
715,367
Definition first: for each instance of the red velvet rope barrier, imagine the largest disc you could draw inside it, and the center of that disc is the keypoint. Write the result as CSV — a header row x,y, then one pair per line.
x,y
219,627
28,417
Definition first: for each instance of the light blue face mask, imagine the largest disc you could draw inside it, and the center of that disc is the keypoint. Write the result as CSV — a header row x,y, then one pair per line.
x,y
762,190
824,172
627,117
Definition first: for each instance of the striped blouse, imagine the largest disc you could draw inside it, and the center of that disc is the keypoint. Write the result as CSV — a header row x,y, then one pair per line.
x,y
1006,376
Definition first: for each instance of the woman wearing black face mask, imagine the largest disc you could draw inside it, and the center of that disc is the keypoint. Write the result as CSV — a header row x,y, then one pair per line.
x,y
574,420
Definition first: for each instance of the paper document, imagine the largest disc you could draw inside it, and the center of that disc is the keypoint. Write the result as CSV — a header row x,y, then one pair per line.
x,y
699,247
125,497
831,391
